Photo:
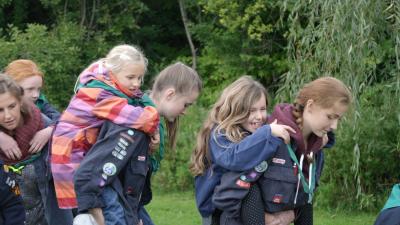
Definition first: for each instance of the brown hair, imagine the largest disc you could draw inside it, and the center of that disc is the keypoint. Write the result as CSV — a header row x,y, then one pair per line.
x,y
22,68
184,80
231,109
8,85
325,92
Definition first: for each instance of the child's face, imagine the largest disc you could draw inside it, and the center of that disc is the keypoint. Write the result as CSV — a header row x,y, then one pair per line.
x,y
322,120
174,104
258,115
32,87
10,111
131,76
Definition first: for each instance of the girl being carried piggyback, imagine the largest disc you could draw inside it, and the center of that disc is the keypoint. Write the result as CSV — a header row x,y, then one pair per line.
x,y
233,138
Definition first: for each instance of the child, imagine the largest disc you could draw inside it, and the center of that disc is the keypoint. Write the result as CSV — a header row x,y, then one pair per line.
x,y
123,70
21,120
234,137
289,182
122,153
27,74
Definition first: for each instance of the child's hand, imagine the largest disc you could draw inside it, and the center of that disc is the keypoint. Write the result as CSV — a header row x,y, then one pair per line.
x,y
97,214
9,147
154,141
281,131
40,140
140,222
279,218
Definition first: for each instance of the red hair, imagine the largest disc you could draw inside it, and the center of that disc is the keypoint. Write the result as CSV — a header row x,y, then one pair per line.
x,y
22,68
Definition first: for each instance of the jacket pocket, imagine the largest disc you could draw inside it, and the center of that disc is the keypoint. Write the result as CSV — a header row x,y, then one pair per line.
x,y
278,187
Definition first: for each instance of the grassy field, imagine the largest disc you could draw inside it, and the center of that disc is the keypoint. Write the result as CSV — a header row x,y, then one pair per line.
x,y
179,208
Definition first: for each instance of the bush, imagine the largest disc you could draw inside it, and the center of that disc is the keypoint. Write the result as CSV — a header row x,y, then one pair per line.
x,y
57,52
174,173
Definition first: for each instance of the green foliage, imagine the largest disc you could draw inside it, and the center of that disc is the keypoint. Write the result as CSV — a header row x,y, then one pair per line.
x,y
238,38
174,173
57,52
360,165
357,42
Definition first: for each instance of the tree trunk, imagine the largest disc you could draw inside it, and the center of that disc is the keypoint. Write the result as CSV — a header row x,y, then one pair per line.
x,y
189,37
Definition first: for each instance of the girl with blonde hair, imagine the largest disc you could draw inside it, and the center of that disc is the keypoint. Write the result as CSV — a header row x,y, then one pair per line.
x,y
234,137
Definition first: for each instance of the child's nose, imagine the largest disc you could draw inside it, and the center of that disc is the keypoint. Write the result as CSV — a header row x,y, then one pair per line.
x,y
334,124
35,94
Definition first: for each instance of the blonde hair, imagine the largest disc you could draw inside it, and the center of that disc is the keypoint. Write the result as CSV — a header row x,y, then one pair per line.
x,y
325,92
184,80
22,68
8,85
231,109
121,55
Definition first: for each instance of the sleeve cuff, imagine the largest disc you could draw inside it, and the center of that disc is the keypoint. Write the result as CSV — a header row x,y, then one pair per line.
x,y
86,202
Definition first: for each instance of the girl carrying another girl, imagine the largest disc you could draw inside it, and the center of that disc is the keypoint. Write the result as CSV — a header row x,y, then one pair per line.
x,y
113,192
28,75
284,190
21,120
39,198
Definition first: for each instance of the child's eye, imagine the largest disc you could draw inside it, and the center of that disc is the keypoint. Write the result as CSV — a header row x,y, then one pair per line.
x,y
12,105
332,117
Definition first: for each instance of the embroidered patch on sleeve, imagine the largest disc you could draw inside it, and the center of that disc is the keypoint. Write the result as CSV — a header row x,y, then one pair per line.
x,y
109,169
242,184
261,167
278,161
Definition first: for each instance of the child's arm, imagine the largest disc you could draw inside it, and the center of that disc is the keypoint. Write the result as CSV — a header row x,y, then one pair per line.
x,y
48,110
118,111
97,214
9,146
246,154
40,139
43,136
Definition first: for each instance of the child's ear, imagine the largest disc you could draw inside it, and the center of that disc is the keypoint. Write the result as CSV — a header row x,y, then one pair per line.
x,y
169,93
309,105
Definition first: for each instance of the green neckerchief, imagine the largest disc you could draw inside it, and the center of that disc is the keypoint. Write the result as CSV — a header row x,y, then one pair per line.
x,y
394,198
40,101
156,157
308,189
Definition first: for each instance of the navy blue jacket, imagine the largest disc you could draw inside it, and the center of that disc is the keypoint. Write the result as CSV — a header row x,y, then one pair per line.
x,y
277,180
389,216
12,210
119,159
47,109
228,156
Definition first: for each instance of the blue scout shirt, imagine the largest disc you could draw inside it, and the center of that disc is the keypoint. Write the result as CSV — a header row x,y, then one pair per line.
x,y
229,156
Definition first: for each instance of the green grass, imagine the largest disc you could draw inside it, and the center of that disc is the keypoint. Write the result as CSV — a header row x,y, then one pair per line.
x,y
180,208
